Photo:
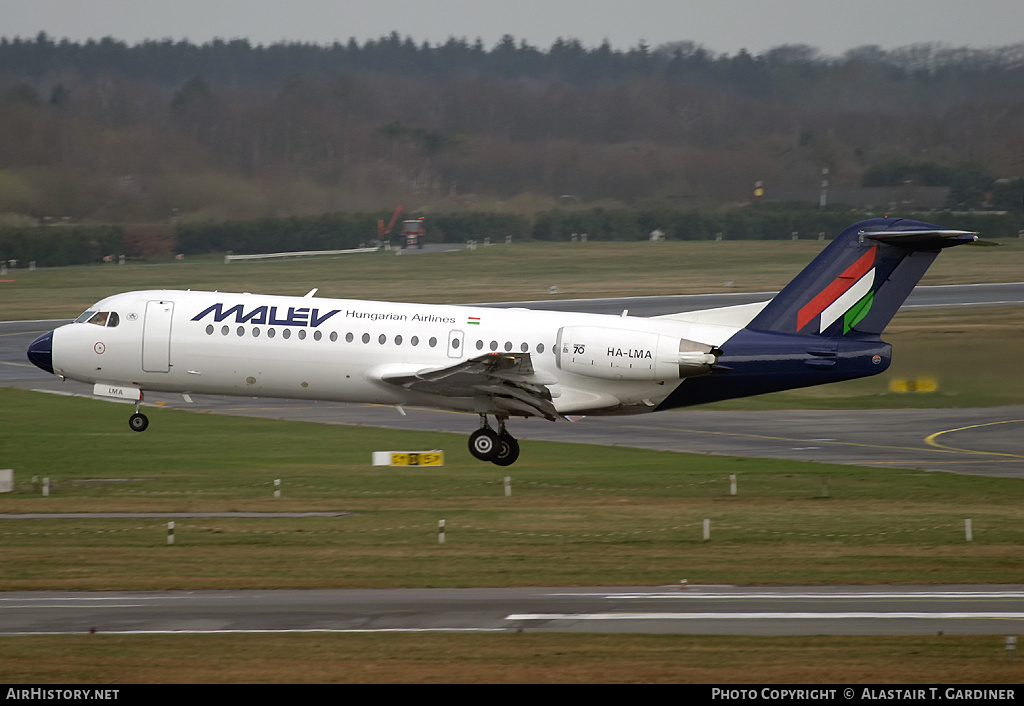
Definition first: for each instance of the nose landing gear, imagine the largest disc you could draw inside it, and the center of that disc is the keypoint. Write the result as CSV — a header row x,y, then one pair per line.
x,y
498,447
138,421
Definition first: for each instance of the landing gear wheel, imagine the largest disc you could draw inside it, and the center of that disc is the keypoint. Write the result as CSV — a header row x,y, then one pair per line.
x,y
138,422
483,444
508,451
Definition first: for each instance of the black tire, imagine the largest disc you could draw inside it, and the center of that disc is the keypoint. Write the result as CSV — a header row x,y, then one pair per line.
x,y
138,422
508,451
483,444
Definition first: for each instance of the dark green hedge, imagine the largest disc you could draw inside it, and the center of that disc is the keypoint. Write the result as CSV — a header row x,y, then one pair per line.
x,y
54,246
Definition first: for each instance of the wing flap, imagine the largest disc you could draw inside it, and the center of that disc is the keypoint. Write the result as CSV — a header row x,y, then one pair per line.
x,y
508,380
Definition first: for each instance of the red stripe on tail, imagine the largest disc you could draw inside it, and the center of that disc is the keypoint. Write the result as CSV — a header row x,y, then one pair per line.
x,y
833,291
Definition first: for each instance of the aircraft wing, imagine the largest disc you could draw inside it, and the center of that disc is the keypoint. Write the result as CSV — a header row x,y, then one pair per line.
x,y
508,380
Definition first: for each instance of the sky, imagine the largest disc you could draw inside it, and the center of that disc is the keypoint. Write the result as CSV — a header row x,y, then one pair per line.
x,y
721,26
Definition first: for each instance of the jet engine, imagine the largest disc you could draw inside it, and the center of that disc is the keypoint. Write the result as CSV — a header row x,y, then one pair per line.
x,y
624,354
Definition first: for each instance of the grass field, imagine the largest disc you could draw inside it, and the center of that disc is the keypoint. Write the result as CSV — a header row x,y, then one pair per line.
x,y
579,515
440,658
518,272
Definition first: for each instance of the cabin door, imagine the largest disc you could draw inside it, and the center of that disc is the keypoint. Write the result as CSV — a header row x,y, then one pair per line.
x,y
156,337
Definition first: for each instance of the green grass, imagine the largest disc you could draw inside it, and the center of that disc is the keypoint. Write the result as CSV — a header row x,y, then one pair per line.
x,y
498,273
506,658
579,515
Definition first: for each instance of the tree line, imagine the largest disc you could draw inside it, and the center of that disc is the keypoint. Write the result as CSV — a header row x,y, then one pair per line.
x,y
103,131
55,246
238,60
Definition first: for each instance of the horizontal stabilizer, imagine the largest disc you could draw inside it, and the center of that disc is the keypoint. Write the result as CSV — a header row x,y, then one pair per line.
x,y
925,239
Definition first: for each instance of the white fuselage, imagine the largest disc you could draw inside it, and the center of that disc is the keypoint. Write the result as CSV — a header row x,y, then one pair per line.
x,y
336,349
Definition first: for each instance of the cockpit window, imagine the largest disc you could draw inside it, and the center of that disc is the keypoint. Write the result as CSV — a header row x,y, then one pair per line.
x,y
100,318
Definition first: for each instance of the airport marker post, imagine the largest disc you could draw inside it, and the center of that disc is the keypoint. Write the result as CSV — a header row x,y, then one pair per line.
x,y
440,531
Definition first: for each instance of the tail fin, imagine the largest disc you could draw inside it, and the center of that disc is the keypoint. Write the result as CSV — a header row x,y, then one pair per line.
x,y
859,281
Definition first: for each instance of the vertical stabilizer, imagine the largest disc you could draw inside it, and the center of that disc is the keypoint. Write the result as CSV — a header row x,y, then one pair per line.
x,y
857,283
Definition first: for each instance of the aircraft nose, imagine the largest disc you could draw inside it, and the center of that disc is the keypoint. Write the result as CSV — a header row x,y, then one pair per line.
x,y
40,352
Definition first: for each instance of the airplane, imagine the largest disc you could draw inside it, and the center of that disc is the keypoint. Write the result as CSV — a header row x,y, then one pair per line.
x,y
823,327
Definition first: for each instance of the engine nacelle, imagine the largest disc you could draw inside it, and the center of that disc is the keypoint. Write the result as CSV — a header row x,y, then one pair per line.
x,y
624,354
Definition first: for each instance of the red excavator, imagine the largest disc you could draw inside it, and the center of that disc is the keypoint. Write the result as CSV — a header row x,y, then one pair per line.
x,y
412,234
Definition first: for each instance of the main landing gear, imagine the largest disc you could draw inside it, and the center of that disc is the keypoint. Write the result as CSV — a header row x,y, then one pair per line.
x,y
498,447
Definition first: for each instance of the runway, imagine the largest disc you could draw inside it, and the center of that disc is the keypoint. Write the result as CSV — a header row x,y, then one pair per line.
x,y
703,610
969,440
